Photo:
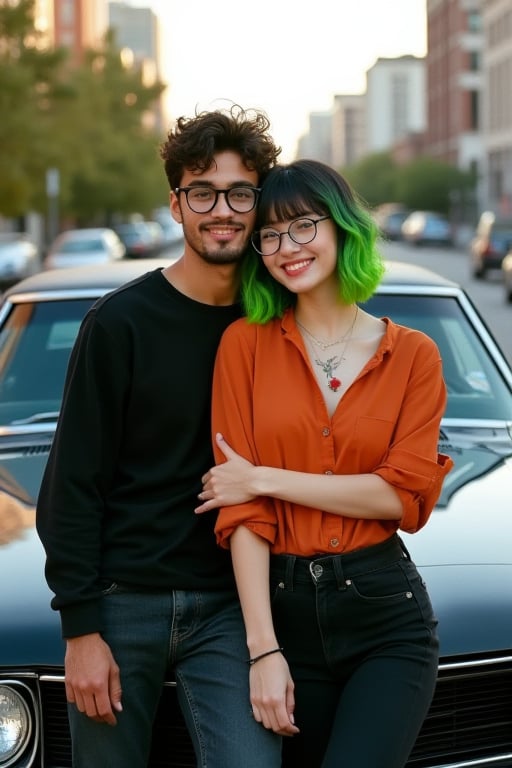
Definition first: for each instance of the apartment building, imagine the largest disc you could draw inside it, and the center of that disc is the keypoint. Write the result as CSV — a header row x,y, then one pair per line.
x,y
395,101
497,104
75,24
455,86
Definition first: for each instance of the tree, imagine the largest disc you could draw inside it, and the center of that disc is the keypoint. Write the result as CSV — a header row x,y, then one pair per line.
x,y
374,178
30,85
112,163
86,121
427,184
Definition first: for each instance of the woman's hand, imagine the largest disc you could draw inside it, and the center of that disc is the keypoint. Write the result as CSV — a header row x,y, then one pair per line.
x,y
228,483
272,696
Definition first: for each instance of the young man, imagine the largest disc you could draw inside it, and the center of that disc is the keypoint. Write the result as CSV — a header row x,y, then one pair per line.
x,y
138,579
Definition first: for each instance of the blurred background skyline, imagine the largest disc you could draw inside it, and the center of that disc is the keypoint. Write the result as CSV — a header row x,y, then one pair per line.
x,y
287,57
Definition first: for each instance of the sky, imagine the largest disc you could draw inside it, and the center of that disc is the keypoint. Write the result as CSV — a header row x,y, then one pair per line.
x,y
286,57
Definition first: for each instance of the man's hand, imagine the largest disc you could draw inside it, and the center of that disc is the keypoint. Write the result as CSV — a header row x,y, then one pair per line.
x,y
228,483
93,682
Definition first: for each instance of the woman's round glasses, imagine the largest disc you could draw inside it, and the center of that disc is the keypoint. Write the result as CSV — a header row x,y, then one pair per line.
x,y
204,199
267,240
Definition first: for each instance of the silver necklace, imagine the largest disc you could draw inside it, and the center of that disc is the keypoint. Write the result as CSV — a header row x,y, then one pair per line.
x,y
328,344
332,363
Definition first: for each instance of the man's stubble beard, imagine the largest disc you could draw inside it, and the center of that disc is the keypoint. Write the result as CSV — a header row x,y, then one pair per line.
x,y
221,256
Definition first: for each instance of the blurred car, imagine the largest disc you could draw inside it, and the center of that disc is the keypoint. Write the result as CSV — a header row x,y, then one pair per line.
x,y
492,240
389,218
464,553
172,230
78,247
506,271
142,239
19,257
427,228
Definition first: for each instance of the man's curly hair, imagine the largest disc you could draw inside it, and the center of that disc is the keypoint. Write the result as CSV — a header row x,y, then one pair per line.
x,y
192,143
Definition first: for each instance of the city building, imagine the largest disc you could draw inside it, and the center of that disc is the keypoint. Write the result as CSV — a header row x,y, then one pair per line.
x,y
137,33
316,143
395,101
454,85
497,105
74,24
348,130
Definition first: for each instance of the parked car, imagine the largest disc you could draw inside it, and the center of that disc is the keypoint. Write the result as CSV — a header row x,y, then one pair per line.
x,y
427,228
492,240
464,553
142,239
172,229
389,218
506,271
19,257
77,247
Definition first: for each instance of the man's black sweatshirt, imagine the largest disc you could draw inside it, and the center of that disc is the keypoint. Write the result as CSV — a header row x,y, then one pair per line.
x,y
133,440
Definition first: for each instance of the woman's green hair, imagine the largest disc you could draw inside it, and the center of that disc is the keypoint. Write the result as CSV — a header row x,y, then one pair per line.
x,y
298,189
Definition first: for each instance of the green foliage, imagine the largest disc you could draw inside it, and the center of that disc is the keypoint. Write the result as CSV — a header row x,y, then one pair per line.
x,y
87,121
374,178
422,184
29,87
427,184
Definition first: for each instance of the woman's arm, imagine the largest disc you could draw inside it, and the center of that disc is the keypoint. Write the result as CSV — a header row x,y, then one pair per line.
x,y
237,481
272,697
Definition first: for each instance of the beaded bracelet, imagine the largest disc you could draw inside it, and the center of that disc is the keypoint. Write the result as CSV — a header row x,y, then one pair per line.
x,y
262,655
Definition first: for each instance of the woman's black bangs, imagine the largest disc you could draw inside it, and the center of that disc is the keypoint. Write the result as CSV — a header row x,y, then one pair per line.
x,y
286,197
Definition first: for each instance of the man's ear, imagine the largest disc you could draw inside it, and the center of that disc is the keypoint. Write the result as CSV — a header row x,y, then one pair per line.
x,y
175,207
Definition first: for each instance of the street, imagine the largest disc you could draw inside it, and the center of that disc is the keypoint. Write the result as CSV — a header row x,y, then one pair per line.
x,y
487,294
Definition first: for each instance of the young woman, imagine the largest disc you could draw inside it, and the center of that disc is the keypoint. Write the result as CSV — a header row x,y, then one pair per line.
x,y
327,422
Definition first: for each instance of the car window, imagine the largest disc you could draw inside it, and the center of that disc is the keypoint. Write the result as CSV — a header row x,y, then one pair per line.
x,y
78,246
35,344
476,389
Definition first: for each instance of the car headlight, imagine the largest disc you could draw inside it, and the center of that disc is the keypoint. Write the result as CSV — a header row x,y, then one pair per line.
x,y
15,725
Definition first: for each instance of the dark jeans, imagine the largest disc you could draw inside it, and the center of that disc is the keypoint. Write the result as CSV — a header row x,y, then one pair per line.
x,y
201,635
359,634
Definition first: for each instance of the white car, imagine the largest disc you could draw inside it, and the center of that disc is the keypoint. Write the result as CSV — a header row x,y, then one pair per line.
x,y
19,257
427,228
79,247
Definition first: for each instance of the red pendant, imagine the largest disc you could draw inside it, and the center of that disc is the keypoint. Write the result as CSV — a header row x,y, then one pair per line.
x,y
334,384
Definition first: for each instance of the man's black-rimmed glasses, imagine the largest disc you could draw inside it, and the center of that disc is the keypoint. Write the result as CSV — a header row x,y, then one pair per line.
x,y
204,199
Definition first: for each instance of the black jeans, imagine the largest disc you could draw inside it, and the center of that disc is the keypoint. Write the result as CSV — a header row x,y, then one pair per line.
x,y
359,634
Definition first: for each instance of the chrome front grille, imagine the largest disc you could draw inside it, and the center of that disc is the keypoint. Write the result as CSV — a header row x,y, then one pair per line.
x,y
469,722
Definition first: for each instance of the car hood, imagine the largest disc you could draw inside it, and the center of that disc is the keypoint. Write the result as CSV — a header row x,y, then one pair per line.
x,y
464,553
30,634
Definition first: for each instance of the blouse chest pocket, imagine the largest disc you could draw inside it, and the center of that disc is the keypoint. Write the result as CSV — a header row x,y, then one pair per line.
x,y
371,441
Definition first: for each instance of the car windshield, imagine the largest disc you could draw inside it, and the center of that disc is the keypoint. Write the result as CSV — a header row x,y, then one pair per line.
x,y
35,343
36,340
476,389
79,246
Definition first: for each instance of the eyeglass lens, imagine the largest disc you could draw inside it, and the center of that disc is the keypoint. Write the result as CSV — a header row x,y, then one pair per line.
x,y
268,241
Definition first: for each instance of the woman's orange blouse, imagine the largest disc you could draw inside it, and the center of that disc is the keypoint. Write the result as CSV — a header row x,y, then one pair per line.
x,y
268,406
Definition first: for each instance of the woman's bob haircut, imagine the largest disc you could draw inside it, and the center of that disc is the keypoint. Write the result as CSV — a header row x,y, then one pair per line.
x,y
299,189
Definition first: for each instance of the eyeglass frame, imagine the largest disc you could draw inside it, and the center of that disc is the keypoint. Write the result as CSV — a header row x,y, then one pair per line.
x,y
217,192
287,232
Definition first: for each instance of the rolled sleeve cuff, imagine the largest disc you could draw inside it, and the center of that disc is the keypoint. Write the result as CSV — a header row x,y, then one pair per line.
x,y
418,483
230,518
